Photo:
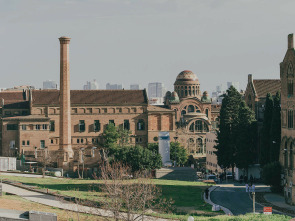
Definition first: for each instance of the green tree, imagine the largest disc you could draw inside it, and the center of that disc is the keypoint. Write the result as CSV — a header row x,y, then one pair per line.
x,y
124,136
229,125
138,158
271,175
246,137
110,135
178,153
265,131
275,129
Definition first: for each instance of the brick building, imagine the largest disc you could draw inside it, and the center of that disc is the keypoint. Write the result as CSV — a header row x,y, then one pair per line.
x,y
287,120
194,114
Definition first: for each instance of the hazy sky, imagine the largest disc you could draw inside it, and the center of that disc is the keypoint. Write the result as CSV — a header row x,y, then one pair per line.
x,y
135,41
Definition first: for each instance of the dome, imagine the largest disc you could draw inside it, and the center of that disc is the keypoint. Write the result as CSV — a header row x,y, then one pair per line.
x,y
205,97
174,98
187,85
186,76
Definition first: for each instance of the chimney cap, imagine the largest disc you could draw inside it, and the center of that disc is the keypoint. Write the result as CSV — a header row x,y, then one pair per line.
x,y
64,40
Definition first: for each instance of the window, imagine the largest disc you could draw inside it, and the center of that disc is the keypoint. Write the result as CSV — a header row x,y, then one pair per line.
x,y
290,87
7,112
140,124
199,126
42,143
78,140
51,141
207,112
126,125
28,142
24,127
112,122
38,126
82,140
25,112
96,125
190,108
23,142
290,119
44,126
52,125
81,125
286,156
11,126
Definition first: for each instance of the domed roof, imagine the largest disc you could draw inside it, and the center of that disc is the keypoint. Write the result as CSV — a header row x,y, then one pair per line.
x,y
174,97
187,77
205,97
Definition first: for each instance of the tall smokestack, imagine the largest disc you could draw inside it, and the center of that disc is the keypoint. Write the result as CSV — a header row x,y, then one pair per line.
x,y
65,145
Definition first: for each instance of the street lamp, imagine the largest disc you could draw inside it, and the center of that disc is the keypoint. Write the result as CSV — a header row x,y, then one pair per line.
x,y
92,151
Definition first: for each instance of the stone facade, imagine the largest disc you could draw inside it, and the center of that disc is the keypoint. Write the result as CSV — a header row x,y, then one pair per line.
x,y
287,121
194,113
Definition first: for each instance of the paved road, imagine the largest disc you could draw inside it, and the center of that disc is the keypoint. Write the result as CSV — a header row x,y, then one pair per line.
x,y
26,175
235,199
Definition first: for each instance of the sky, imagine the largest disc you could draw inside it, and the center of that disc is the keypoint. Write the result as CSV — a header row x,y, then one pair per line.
x,y
137,41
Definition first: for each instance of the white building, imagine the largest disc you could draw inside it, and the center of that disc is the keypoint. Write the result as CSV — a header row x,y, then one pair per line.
x,y
114,86
91,85
49,84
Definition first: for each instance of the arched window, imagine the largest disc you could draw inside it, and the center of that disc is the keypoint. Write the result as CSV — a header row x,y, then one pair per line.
x,y
183,112
199,126
207,112
291,156
140,124
197,109
190,109
185,92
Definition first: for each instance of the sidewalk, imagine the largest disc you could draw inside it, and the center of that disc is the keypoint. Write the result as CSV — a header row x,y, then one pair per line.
x,y
278,201
53,201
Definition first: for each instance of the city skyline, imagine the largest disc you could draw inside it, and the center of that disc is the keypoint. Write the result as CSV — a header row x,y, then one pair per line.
x,y
215,40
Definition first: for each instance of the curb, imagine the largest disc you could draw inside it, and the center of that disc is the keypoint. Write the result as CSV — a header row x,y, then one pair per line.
x,y
225,210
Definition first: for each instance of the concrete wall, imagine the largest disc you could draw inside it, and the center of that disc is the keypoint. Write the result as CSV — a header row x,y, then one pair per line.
x,y
7,163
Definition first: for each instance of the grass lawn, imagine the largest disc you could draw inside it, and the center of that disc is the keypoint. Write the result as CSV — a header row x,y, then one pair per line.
x,y
187,195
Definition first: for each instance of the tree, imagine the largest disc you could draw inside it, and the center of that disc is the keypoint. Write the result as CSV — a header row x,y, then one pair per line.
x,y
265,131
124,136
138,158
271,175
275,129
134,197
110,135
229,125
178,153
246,137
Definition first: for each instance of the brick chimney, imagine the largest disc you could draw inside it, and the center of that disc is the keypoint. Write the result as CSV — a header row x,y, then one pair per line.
x,y
290,41
65,144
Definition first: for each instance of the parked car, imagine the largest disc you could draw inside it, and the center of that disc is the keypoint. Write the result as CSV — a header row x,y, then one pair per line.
x,y
211,177
229,176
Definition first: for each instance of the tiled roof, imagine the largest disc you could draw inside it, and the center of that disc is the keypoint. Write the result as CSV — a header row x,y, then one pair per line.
x,y
51,97
12,96
262,87
154,108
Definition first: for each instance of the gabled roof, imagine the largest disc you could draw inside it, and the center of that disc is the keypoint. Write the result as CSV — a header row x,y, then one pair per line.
x,y
262,87
51,97
12,96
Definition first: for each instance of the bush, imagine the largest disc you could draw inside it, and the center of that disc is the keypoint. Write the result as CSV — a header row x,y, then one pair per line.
x,y
271,175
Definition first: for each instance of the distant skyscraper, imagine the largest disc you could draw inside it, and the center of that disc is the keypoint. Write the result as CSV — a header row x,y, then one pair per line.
x,y
91,85
49,84
220,88
134,86
114,86
156,89
235,84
